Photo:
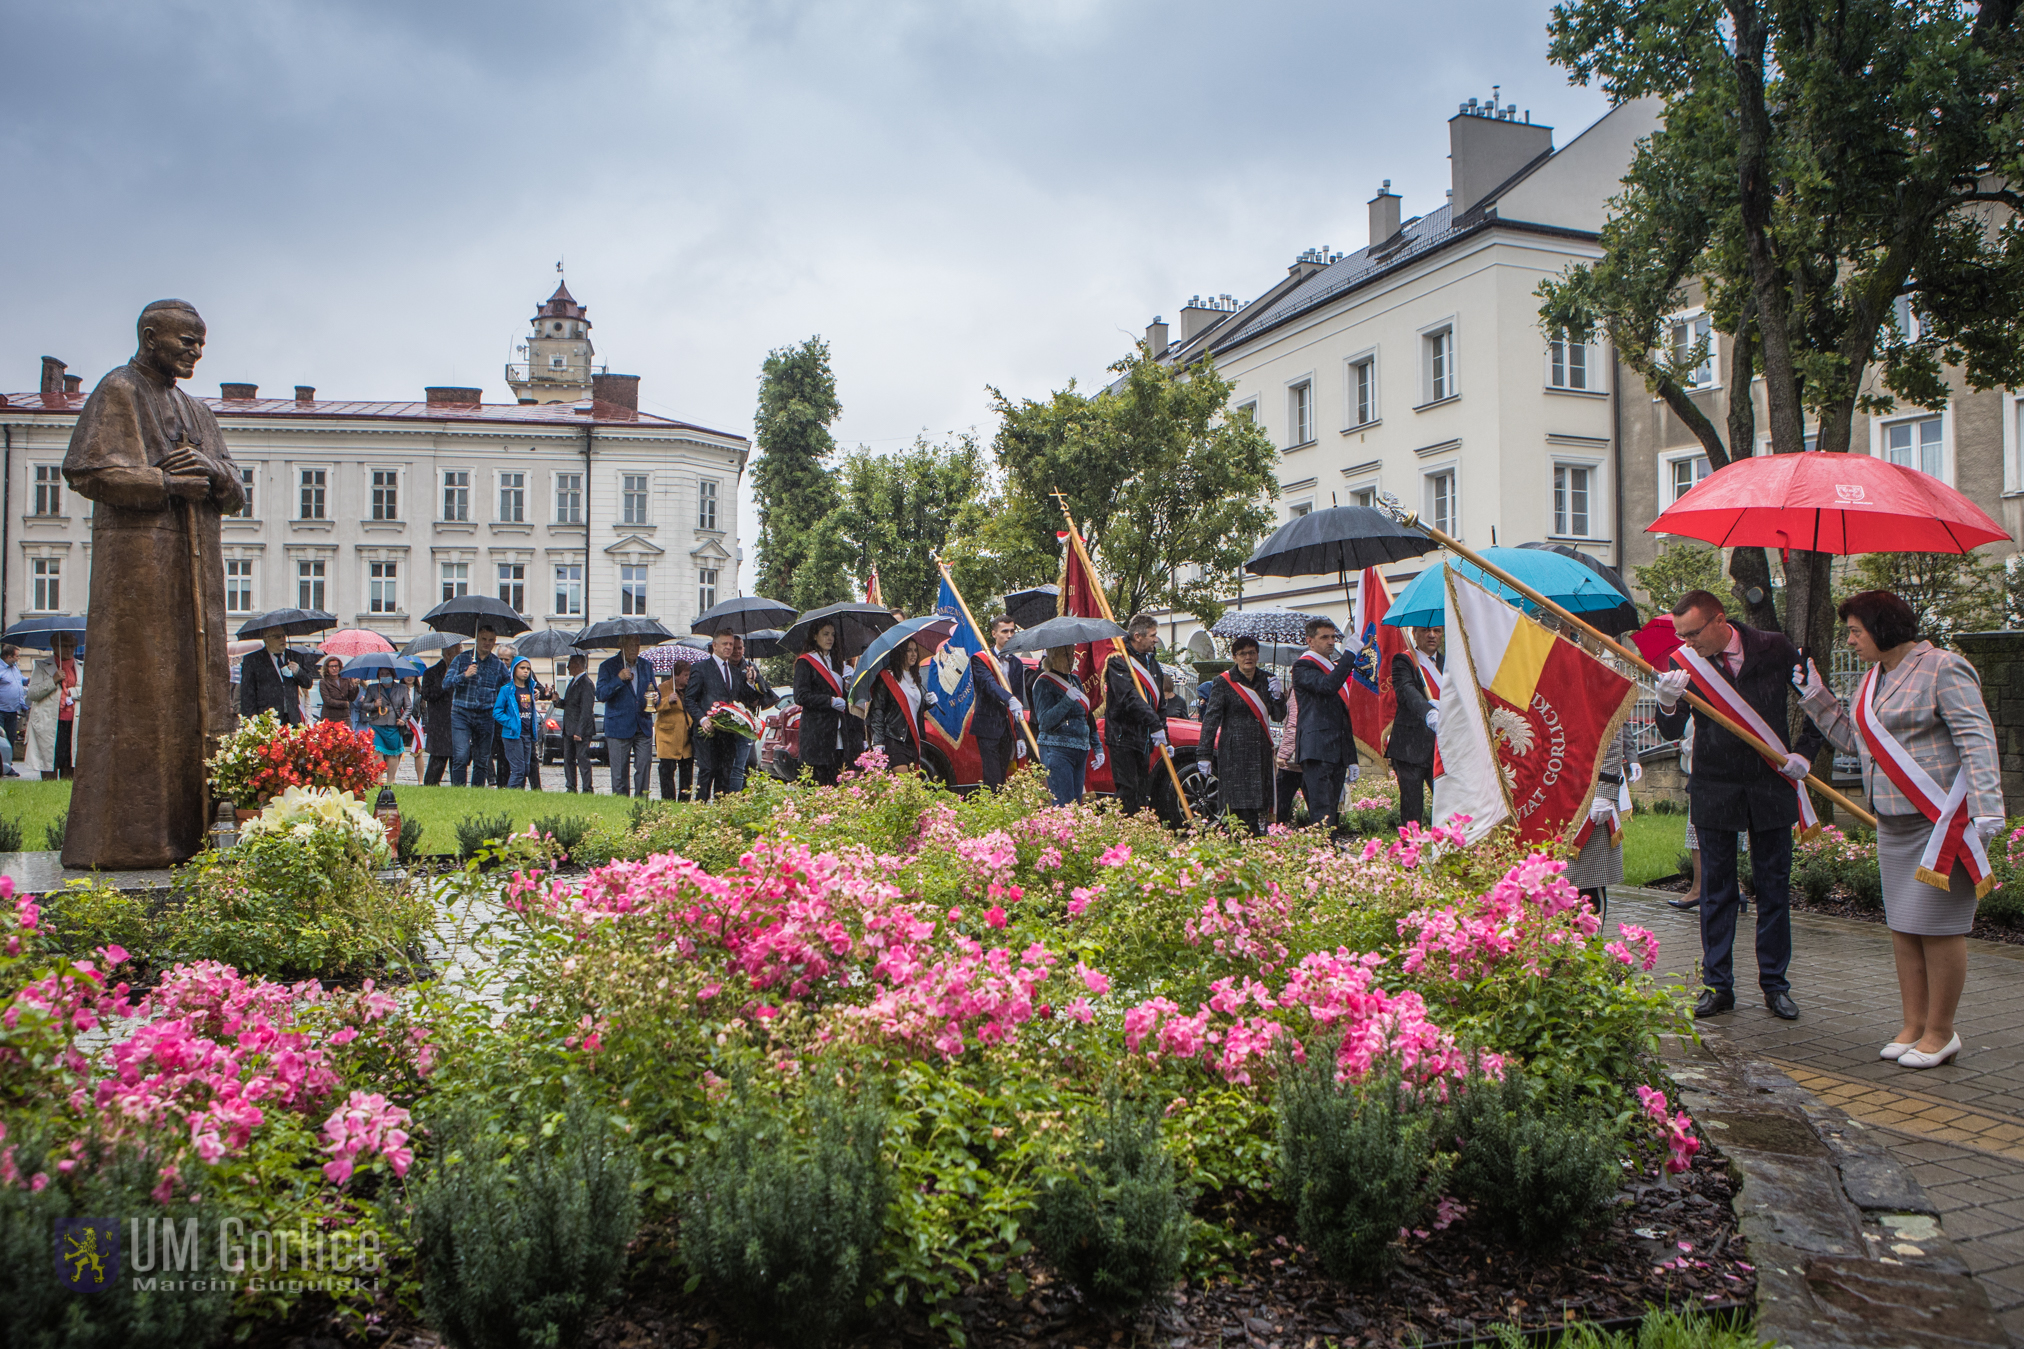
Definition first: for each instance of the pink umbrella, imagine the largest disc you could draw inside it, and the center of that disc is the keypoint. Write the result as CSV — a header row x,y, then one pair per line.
x,y
349,642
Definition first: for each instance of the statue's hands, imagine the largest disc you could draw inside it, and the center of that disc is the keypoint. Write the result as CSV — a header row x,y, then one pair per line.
x,y
188,487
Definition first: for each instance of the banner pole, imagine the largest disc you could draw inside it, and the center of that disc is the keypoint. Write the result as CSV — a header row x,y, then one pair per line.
x,y
989,654
1629,654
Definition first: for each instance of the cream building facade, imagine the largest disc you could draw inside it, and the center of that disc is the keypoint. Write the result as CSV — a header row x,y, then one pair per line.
x,y
1417,366
570,511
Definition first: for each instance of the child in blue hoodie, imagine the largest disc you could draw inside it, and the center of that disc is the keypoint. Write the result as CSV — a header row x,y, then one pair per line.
x,y
514,710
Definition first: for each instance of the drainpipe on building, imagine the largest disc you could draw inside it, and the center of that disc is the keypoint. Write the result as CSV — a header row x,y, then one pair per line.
x,y
588,432
6,505
1616,457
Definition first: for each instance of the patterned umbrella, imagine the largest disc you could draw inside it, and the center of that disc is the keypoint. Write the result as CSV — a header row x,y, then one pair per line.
x,y
664,659
1265,625
354,642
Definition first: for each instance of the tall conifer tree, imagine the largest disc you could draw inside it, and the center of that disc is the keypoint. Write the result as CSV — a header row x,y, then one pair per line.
x,y
792,481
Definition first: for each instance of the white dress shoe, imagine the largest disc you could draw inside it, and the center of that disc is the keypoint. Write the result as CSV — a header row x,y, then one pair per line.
x,y
1895,1049
1912,1058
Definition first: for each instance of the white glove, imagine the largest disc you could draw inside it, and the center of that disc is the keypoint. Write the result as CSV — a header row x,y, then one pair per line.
x,y
1669,686
1097,762
1017,707
1806,678
1275,688
928,698
1352,773
1988,826
1160,739
839,704
1601,809
1434,719
1018,749
1796,767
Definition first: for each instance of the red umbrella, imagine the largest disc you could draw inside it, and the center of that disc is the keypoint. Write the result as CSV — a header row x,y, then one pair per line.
x,y
1656,641
1828,503
349,642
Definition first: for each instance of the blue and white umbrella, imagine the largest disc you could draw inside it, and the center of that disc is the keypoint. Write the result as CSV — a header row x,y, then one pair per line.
x,y
930,632
372,663
1424,603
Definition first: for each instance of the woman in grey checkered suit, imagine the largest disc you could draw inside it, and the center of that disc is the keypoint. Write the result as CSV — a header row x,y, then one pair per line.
x,y
1930,701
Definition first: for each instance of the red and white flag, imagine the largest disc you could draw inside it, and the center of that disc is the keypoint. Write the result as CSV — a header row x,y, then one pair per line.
x,y
1373,702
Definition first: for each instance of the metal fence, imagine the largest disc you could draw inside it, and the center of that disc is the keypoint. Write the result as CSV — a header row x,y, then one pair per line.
x,y
1842,675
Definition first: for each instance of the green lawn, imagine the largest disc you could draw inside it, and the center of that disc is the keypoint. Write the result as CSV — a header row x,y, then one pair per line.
x,y
34,805
1652,845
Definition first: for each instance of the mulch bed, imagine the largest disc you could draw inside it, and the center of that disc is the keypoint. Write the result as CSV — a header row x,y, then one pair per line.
x,y
1842,907
1454,1285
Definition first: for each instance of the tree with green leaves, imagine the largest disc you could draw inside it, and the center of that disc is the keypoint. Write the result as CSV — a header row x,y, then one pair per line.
x,y
1166,482
792,481
1950,593
1825,167
900,513
1670,575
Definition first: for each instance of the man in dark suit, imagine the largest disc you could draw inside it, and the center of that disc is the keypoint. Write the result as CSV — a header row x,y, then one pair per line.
x,y
999,704
1411,746
748,750
1324,739
1132,720
436,715
1734,789
269,678
719,678
579,723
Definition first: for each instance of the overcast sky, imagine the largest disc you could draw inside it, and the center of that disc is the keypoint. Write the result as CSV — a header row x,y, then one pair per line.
x,y
372,197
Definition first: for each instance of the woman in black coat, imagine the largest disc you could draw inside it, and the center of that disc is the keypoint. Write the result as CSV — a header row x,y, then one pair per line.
x,y
1237,717
818,691
900,700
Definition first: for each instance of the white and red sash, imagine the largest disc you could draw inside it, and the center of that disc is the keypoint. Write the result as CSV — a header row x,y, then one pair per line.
x,y
906,710
1724,695
1954,838
1342,690
1252,701
1430,675
1142,678
1070,691
822,667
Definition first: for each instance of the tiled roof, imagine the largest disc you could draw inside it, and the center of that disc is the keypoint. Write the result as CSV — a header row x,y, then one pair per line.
x,y
526,414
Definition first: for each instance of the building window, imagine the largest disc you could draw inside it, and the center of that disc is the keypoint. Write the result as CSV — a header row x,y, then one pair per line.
x,y
1248,411
1567,364
632,590
312,495
49,489
246,511
513,586
512,498
1298,509
706,504
1687,335
1441,501
554,362
457,495
1363,391
569,587
1300,414
1687,472
382,587
569,498
308,584
456,579
238,585
633,498
1440,349
706,589
1915,444
386,494
1570,500
1365,496
1909,326
47,596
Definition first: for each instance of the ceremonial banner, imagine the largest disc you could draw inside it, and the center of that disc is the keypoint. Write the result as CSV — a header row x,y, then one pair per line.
x,y
1547,709
1373,702
948,674
871,591
1079,600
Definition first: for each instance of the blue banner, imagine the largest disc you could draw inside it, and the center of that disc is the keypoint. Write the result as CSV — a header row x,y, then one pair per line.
x,y
948,672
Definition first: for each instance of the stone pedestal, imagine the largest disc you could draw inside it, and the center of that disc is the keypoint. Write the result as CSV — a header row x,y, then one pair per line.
x,y
1999,658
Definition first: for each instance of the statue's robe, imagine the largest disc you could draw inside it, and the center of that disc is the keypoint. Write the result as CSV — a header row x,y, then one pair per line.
x,y
153,688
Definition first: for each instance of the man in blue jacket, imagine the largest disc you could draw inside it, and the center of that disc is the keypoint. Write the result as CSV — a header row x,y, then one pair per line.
x,y
473,679
1325,740
625,684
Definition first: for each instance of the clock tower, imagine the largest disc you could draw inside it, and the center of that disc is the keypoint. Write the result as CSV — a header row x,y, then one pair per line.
x,y
558,351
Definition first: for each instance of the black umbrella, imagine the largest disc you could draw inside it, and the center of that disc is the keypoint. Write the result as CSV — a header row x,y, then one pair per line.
x,y
692,642
430,641
546,644
294,622
35,633
466,613
763,643
744,615
1340,539
1623,618
1066,630
856,625
614,631
1036,604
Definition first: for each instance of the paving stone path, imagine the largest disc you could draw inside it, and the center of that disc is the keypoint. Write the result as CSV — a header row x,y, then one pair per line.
x,y
1958,1128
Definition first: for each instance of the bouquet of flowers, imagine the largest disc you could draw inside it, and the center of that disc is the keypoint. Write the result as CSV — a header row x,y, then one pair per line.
x,y
302,812
264,758
736,718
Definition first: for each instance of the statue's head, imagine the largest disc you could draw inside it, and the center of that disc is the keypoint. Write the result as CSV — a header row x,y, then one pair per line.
x,y
171,338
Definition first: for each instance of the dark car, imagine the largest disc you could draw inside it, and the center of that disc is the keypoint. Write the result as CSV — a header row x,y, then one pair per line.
x,y
551,736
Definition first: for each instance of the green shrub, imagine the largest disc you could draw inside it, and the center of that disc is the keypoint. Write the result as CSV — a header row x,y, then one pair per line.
x,y
42,1313
1116,1225
782,1220
10,835
53,834
521,1227
85,915
1357,1162
567,830
475,831
1536,1169
409,845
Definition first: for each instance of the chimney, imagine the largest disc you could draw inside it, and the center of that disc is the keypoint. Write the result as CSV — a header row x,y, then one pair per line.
x,y
1486,145
73,383
1156,337
1312,260
52,375
1199,315
622,390
452,395
305,393
237,391
1384,214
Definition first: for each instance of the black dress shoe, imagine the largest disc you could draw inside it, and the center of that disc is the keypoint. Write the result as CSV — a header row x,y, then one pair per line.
x,y
1693,903
1782,1006
1714,1002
